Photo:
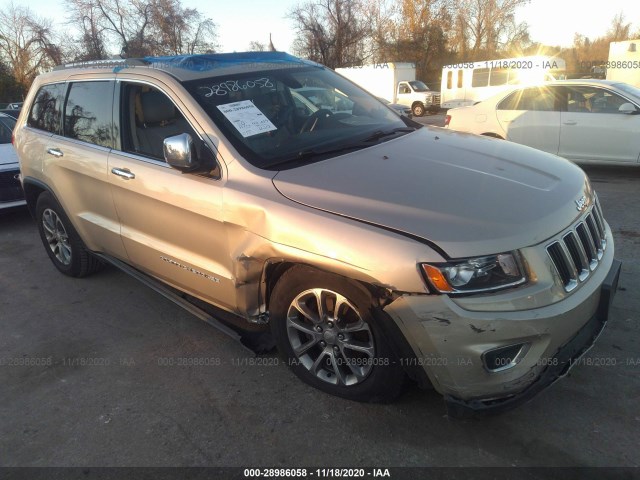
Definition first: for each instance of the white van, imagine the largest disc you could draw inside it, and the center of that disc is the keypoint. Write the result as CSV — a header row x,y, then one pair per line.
x,y
467,83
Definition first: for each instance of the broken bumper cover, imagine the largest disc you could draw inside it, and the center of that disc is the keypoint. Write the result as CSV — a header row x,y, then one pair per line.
x,y
566,356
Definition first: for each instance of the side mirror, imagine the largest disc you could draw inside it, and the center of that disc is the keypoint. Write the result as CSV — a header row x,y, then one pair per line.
x,y
628,109
179,152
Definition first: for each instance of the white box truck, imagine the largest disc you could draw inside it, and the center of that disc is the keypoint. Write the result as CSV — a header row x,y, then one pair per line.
x,y
395,82
624,62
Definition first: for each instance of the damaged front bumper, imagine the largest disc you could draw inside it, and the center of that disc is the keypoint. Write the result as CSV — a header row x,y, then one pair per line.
x,y
558,367
449,343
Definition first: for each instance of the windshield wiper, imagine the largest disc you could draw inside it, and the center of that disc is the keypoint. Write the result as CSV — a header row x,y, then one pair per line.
x,y
378,134
313,153
307,154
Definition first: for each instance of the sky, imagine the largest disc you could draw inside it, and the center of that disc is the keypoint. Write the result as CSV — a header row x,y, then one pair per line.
x,y
551,22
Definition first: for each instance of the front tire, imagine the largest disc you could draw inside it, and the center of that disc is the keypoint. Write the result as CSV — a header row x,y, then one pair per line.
x,y
418,109
324,329
61,241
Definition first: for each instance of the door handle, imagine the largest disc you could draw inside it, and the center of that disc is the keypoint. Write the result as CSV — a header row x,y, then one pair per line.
x,y
56,152
570,122
124,173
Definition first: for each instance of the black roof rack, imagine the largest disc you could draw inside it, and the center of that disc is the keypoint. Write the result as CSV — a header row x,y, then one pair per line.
x,y
109,63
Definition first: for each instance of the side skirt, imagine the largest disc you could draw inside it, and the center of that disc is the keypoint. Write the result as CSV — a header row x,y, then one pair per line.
x,y
255,342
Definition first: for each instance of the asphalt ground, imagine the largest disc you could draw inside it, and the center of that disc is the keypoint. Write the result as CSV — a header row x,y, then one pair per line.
x,y
103,371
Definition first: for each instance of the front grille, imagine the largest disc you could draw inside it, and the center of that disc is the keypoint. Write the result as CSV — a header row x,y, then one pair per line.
x,y
10,189
579,251
435,99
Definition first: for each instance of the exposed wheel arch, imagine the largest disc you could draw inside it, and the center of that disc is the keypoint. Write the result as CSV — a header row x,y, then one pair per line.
x,y
32,190
273,270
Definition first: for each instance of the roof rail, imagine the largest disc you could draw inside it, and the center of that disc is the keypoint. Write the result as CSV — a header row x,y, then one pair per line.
x,y
109,63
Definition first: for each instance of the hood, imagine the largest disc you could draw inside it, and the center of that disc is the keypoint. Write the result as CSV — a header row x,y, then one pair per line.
x,y
469,195
7,155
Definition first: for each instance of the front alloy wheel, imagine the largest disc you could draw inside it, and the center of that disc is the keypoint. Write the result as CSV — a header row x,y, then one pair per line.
x,y
325,329
329,338
418,109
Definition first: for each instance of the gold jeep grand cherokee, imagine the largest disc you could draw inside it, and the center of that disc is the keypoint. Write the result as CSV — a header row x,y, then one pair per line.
x,y
371,249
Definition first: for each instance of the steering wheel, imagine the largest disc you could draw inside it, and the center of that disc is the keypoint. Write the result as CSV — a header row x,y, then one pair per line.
x,y
314,119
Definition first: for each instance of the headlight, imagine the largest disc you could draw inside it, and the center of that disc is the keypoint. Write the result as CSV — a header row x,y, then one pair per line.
x,y
476,275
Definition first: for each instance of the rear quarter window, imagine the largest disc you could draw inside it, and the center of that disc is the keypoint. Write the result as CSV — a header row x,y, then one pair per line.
x,y
46,109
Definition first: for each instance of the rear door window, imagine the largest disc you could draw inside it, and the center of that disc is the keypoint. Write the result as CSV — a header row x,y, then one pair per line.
x,y
46,108
88,113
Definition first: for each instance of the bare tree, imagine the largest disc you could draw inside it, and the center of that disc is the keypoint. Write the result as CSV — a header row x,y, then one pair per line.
x,y
137,28
27,44
382,15
180,30
619,29
255,46
128,21
419,35
487,28
331,32
92,42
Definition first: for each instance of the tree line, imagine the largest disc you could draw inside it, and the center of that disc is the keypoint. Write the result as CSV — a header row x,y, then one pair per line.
x,y
433,33
336,33
30,44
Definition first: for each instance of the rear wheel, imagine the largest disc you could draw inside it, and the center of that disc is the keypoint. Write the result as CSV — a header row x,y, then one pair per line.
x,y
61,241
324,329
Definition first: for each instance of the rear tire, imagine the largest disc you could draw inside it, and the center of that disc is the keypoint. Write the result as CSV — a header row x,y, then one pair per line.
x,y
61,241
324,329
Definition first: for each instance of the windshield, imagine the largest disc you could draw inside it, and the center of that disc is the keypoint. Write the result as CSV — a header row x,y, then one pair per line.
x,y
418,86
295,115
630,89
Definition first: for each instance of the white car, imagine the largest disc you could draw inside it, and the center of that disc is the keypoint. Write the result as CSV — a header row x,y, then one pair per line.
x,y
585,121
